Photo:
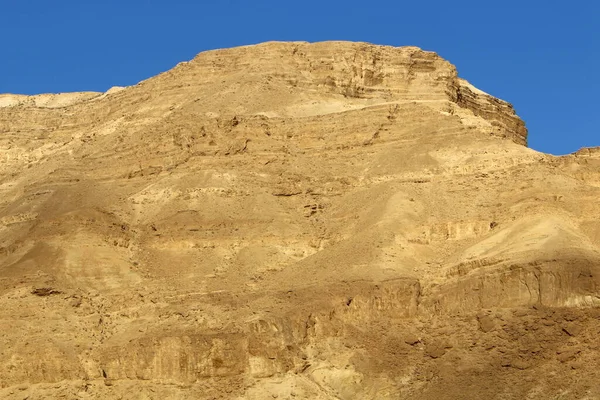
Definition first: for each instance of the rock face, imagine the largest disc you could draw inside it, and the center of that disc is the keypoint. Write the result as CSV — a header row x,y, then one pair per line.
x,y
291,220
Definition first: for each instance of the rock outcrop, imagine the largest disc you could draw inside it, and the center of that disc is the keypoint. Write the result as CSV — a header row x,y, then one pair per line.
x,y
291,220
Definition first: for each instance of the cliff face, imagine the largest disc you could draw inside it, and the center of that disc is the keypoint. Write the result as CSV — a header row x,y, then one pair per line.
x,y
498,113
326,221
367,72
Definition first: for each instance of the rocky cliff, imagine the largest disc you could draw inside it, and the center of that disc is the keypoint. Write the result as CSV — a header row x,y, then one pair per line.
x,y
291,220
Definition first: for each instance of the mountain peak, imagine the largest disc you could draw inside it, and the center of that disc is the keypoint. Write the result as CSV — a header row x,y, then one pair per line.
x,y
295,78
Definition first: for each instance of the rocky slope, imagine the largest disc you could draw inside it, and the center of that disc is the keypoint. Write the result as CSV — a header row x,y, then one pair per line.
x,y
291,220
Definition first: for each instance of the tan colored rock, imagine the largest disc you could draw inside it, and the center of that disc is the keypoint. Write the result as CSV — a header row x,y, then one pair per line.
x,y
486,322
292,220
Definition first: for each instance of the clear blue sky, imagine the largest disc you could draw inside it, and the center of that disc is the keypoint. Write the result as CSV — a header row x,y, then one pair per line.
x,y
542,56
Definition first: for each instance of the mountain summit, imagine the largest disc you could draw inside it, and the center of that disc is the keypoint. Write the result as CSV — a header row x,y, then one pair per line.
x,y
290,220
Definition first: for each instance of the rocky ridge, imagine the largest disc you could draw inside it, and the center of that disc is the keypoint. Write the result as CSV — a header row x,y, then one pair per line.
x,y
291,220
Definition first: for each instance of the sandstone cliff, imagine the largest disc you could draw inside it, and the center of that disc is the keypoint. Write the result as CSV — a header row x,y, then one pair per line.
x,y
291,220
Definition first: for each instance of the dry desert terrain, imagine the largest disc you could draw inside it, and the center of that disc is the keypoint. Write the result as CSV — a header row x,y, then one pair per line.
x,y
294,221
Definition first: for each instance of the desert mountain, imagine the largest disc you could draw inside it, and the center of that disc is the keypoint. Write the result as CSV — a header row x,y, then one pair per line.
x,y
291,220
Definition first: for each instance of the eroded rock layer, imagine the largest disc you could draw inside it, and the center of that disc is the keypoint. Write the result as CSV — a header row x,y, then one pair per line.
x,y
291,220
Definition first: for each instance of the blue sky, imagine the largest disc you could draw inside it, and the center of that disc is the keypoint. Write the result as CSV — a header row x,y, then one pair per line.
x,y
542,56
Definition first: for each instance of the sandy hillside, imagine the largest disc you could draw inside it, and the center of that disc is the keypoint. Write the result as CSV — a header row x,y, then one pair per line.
x,y
294,221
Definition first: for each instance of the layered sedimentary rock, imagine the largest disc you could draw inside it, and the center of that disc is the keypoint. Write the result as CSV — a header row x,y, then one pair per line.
x,y
291,220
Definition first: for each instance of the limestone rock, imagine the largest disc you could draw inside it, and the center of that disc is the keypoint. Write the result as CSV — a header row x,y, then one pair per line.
x,y
294,220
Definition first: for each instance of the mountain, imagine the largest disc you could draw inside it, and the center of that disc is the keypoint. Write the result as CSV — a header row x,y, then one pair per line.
x,y
291,220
